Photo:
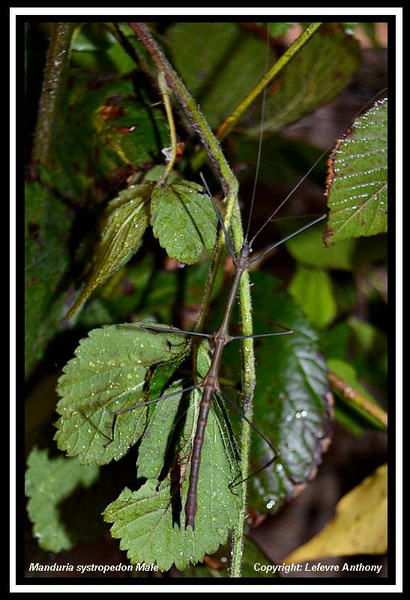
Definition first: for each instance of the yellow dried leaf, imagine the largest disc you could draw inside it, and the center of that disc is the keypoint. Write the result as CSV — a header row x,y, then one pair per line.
x,y
359,525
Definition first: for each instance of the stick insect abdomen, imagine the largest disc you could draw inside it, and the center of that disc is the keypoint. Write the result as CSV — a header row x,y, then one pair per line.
x,y
191,506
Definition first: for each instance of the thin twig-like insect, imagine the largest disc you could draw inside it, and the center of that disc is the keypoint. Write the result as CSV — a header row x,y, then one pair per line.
x,y
220,338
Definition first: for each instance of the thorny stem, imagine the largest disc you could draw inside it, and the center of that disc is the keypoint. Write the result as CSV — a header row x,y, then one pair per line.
x,y
230,187
53,85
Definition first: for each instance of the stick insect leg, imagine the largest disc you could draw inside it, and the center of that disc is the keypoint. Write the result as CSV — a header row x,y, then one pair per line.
x,y
122,411
259,335
263,436
173,330
285,331
221,222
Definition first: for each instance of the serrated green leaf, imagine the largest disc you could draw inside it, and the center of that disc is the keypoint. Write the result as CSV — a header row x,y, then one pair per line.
x,y
357,180
313,291
108,374
183,220
150,521
121,229
155,443
51,481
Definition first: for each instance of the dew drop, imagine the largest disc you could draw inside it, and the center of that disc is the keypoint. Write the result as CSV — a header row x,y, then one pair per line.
x,y
301,414
270,504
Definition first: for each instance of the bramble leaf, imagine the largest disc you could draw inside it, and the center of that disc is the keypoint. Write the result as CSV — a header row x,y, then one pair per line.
x,y
150,521
357,179
50,481
108,374
183,220
121,229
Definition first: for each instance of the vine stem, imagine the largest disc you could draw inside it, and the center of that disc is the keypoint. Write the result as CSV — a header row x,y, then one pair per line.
x,y
58,55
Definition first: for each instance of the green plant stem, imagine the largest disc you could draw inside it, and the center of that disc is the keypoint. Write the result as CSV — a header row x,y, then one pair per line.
x,y
171,124
230,187
226,127
355,398
58,55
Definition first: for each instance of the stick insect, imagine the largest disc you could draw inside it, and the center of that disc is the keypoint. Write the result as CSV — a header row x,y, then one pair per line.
x,y
221,337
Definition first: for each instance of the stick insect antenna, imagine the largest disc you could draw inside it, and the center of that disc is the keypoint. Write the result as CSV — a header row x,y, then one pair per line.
x,y
260,139
286,238
297,186
228,239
